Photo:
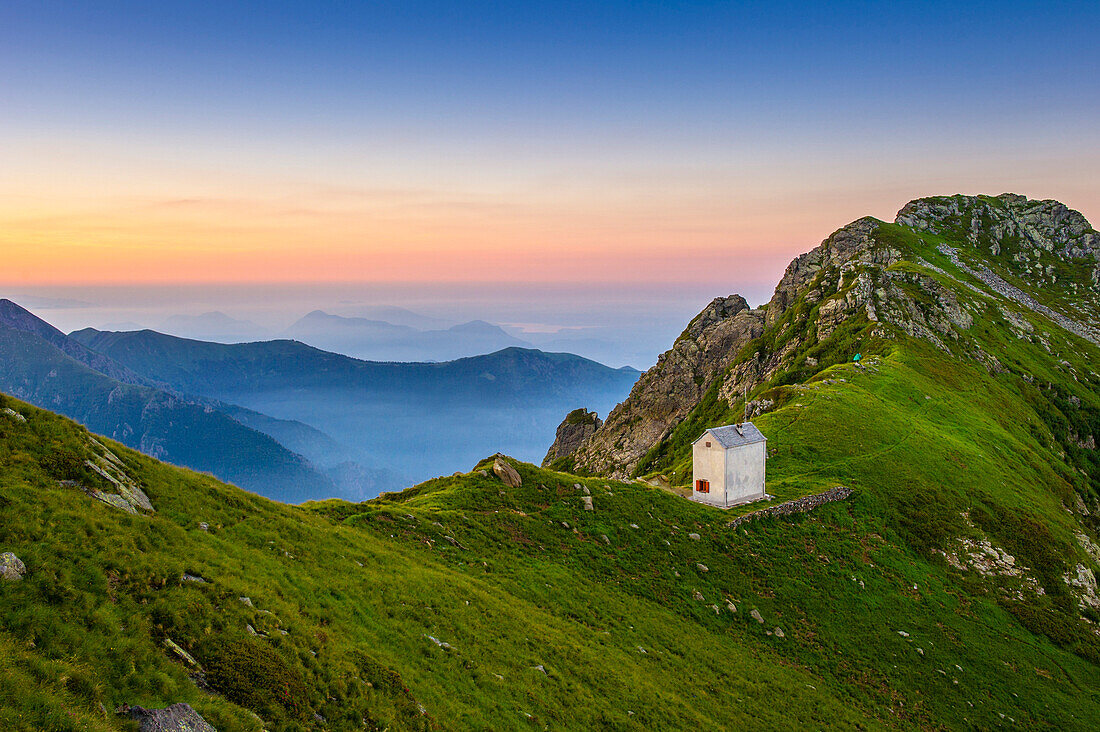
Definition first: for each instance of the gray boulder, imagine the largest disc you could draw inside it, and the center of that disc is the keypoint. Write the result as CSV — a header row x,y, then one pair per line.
x,y
11,567
176,718
507,474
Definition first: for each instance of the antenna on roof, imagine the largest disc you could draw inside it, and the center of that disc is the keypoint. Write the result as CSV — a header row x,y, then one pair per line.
x,y
746,403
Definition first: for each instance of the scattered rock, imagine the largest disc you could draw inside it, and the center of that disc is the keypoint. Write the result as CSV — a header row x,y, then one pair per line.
x,y
779,632
586,490
634,526
694,537
540,669
181,654
445,646
903,634
203,526
14,414
246,601
587,501
699,596
176,718
192,578
1083,582
731,607
507,473
702,567
11,567
605,539
453,541
129,496
757,616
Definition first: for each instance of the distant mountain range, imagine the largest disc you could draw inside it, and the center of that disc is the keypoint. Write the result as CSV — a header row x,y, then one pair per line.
x,y
293,422
214,326
42,365
380,340
388,414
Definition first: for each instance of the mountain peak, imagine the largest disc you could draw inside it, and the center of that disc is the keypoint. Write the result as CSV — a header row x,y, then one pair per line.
x,y
1010,223
867,280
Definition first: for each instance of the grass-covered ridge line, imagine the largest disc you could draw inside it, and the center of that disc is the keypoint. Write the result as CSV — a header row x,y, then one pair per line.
x,y
104,591
611,621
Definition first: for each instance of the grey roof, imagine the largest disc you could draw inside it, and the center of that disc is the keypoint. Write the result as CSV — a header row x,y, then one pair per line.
x,y
728,436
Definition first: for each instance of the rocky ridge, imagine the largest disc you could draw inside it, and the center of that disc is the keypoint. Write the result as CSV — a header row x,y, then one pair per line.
x,y
578,425
854,285
667,392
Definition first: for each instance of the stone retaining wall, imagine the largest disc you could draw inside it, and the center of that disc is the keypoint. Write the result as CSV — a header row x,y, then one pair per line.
x,y
800,505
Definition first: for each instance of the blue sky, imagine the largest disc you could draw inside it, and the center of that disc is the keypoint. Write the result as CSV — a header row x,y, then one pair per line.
x,y
733,135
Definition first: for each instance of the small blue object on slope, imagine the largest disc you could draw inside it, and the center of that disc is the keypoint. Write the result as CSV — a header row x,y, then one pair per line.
x,y
857,357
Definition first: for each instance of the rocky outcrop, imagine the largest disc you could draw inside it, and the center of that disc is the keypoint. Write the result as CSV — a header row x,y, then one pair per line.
x,y
578,426
666,393
1043,243
1083,582
11,567
851,278
13,414
176,718
845,276
1005,224
854,243
127,495
999,286
507,473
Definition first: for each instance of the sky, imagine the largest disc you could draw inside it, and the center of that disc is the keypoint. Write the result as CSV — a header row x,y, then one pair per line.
x,y
696,146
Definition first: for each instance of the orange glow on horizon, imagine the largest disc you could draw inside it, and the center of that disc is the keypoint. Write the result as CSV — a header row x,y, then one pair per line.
x,y
197,241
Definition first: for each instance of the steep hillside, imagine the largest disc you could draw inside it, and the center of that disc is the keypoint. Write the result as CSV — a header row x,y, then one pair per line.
x,y
951,585
36,365
969,426
982,279
495,599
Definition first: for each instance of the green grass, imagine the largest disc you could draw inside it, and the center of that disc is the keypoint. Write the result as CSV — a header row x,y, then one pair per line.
x,y
517,589
461,603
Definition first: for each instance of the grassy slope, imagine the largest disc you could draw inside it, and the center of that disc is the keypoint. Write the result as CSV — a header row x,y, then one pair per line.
x,y
103,589
921,436
183,431
916,465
